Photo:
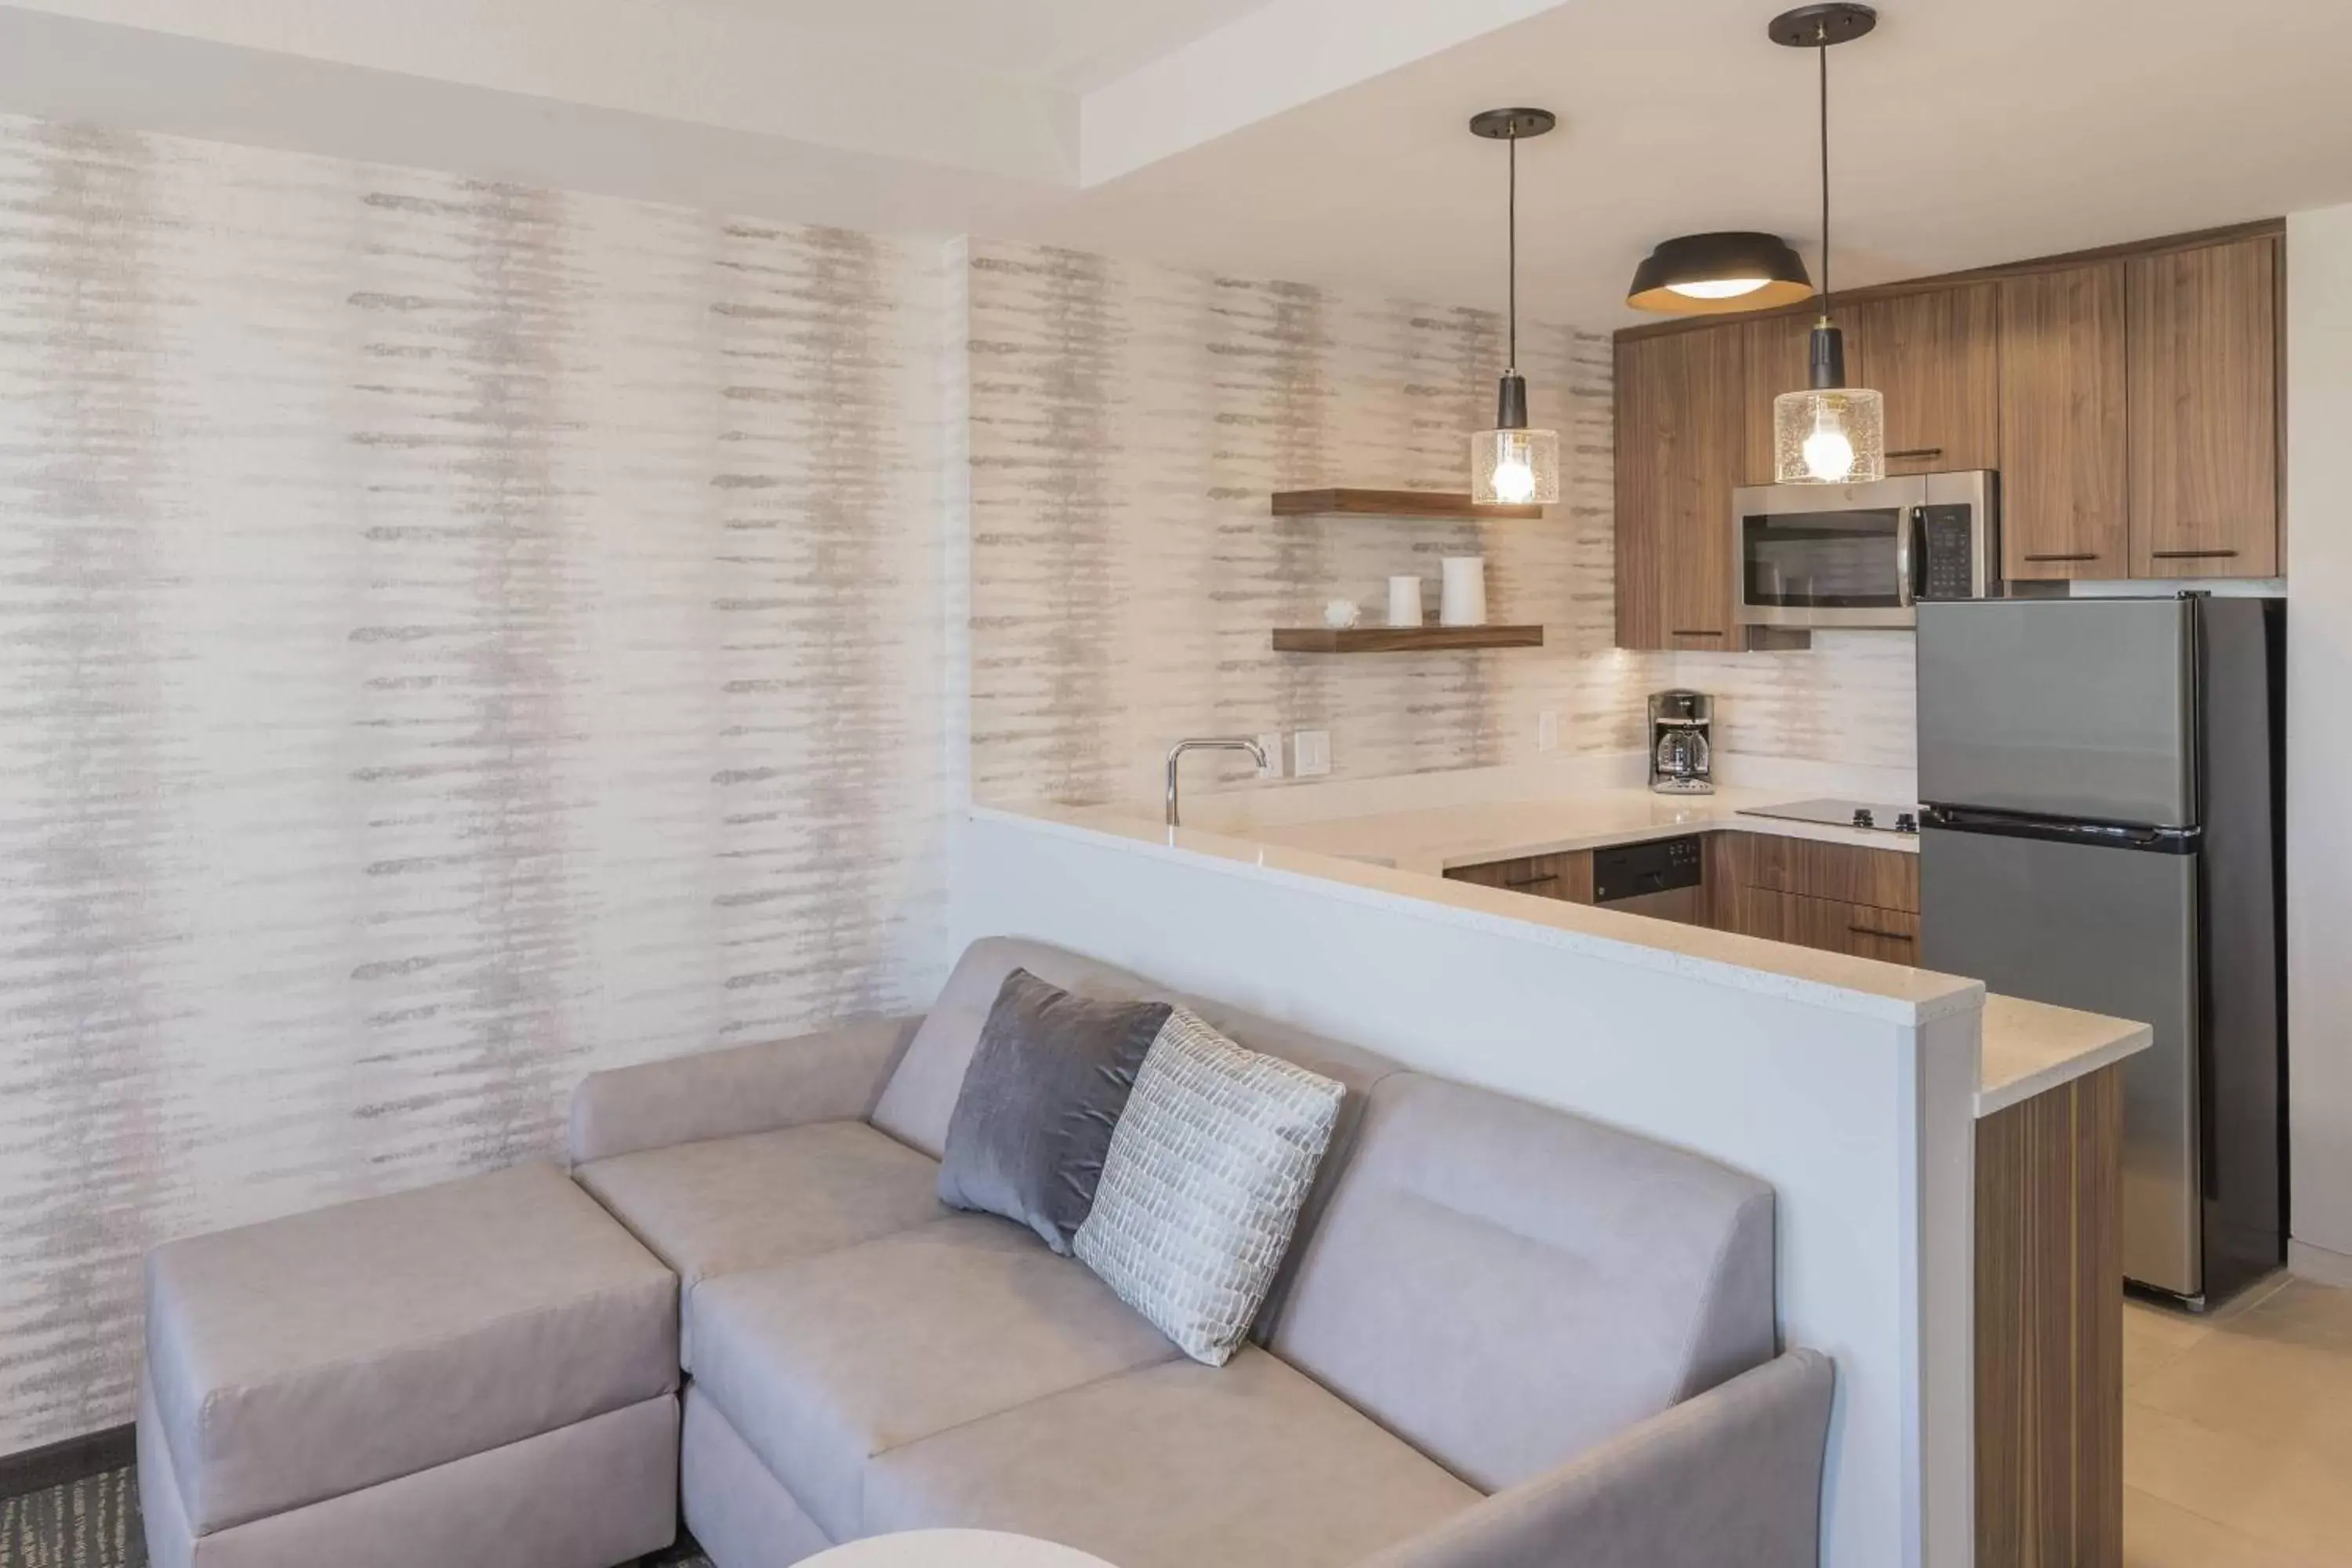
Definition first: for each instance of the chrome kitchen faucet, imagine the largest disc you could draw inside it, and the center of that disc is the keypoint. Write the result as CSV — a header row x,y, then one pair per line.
x,y
1207,743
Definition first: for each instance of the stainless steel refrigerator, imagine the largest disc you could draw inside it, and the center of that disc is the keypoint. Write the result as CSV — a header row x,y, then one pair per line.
x,y
2103,781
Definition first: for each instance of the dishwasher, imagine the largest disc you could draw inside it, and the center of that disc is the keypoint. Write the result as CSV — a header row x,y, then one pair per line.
x,y
1665,879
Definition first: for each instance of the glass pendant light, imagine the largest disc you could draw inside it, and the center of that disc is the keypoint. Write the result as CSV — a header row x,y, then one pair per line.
x,y
1512,465
1830,434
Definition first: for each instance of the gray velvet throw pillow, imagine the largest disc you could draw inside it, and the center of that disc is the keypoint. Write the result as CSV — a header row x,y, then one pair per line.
x,y
1046,1086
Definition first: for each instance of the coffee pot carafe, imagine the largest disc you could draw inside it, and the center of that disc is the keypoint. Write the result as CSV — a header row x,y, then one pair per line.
x,y
1682,751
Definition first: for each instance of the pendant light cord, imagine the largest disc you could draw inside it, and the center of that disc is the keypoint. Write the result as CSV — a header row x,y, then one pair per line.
x,y
1512,205
1823,49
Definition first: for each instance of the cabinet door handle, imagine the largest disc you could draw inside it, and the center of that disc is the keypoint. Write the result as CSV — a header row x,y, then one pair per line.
x,y
1680,632
2191,555
1918,452
1873,930
2064,555
1529,882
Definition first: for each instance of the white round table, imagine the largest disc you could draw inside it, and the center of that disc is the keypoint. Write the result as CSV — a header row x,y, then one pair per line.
x,y
953,1548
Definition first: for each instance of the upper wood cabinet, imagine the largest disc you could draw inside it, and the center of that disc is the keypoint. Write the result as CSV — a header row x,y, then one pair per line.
x,y
1935,358
1681,400
2204,395
2130,399
1777,348
2064,502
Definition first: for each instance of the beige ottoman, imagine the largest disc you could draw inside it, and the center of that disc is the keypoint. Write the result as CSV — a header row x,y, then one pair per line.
x,y
481,1373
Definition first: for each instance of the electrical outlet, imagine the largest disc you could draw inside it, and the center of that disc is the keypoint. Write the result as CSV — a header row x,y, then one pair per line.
x,y
1313,750
1547,730
1270,743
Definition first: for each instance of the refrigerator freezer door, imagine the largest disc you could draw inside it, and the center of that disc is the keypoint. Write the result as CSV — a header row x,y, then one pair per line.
x,y
2106,931
2066,708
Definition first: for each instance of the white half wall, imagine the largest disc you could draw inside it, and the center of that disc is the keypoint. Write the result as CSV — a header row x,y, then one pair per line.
x,y
1855,1100
2319,737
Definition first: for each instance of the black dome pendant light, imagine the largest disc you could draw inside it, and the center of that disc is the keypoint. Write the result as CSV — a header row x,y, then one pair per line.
x,y
1512,465
1707,274
1830,433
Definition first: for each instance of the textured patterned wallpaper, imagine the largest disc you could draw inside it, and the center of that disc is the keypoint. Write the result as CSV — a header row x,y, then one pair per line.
x,y
1852,698
1128,425
451,637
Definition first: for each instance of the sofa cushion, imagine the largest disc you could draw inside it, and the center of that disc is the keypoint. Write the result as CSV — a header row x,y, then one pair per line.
x,y
920,1097
728,1205
307,1357
1504,1284
1203,1184
823,1364
1047,1083
1249,1465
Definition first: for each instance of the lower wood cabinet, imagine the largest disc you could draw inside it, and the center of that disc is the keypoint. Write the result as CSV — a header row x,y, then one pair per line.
x,y
1839,898
1864,931
2049,1329
1567,877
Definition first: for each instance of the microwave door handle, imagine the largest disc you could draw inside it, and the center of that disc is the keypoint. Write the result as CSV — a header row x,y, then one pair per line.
x,y
1904,594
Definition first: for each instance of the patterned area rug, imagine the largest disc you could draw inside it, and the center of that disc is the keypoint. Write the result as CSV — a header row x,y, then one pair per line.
x,y
94,1523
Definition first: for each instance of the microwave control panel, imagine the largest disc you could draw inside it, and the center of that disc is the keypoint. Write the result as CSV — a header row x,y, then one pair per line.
x,y
1949,543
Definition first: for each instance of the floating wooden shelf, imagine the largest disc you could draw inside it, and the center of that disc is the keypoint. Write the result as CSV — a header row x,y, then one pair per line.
x,y
1402,639
1392,503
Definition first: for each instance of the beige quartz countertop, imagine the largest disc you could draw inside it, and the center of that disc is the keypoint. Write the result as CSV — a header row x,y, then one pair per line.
x,y
1437,839
2028,1047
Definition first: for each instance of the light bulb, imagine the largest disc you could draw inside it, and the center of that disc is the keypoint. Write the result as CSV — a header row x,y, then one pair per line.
x,y
1514,482
1829,453
1719,287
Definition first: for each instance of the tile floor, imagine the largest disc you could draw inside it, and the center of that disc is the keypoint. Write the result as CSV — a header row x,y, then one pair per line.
x,y
2238,1431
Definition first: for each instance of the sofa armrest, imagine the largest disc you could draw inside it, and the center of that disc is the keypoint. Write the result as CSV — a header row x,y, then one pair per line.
x,y
834,1075
1733,1475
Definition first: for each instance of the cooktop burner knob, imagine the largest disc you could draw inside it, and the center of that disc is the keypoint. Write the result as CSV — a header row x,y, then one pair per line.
x,y
1862,817
1907,822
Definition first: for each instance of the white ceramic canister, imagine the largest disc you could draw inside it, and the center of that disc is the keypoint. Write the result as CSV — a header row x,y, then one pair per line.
x,y
1463,601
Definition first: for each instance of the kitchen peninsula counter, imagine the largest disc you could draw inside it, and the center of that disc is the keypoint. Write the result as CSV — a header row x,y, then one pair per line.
x,y
2028,1047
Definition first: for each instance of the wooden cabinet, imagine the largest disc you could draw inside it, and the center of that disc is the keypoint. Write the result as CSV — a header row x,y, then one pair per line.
x,y
1567,877
1679,415
1935,358
1861,930
1839,898
2204,395
2064,500
1776,350
2130,401
2049,1328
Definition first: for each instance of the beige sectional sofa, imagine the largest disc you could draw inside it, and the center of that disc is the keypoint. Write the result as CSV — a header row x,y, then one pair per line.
x,y
1503,1335
1503,1338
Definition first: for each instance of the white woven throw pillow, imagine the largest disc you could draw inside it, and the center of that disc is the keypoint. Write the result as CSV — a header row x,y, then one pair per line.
x,y
1202,1186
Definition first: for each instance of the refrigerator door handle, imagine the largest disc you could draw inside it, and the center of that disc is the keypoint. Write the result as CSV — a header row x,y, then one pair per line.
x,y
2009,825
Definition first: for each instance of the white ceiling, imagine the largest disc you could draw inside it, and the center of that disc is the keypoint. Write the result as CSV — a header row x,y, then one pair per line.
x,y
1316,139
1964,132
1075,45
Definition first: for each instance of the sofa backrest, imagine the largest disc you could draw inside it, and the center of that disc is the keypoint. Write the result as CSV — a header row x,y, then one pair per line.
x,y
921,1093
1504,1284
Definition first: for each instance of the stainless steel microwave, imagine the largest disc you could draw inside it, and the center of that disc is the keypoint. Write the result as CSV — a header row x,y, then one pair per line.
x,y
1864,555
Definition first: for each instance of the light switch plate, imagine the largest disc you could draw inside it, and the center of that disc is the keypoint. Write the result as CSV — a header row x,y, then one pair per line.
x,y
1548,731
1313,750
1270,742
